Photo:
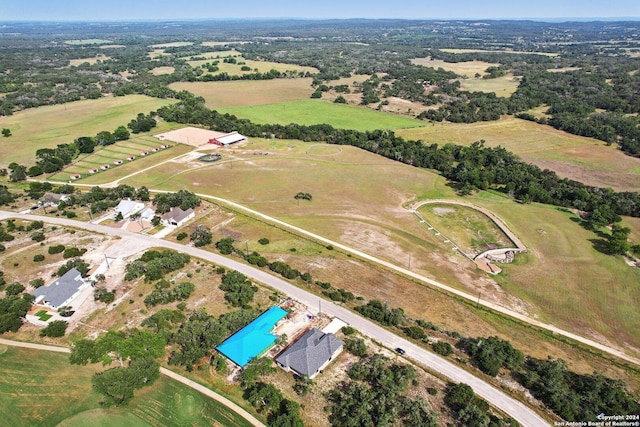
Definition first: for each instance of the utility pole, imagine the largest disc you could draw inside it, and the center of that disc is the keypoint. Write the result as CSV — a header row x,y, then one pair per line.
x,y
246,246
409,261
90,214
107,261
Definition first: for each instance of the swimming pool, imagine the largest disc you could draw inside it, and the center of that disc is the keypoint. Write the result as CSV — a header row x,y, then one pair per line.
x,y
252,340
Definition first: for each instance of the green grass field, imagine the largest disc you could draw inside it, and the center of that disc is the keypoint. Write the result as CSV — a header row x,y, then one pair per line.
x,y
583,159
41,388
48,126
310,112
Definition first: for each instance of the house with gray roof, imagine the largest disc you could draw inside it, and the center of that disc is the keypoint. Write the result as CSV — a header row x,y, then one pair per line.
x,y
62,291
310,353
177,216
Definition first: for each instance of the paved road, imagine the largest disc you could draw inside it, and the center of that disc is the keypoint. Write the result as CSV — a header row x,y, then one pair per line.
x,y
519,411
473,298
186,381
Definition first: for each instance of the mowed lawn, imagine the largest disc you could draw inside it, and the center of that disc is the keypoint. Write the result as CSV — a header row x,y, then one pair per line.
x,y
241,93
583,159
315,111
41,388
48,126
358,199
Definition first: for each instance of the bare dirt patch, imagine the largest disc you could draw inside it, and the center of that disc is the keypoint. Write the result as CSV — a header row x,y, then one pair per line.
x,y
195,137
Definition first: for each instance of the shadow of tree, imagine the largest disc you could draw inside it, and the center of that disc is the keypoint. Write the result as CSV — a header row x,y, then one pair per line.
x,y
601,246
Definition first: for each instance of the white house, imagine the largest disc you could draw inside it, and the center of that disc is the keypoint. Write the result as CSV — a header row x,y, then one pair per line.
x,y
177,216
62,291
128,208
52,199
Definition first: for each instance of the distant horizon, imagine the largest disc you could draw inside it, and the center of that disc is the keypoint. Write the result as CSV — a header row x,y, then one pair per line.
x,y
202,10
296,18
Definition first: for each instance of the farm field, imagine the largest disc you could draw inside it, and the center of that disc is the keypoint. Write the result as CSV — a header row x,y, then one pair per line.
x,y
571,156
236,69
366,212
241,93
48,126
93,60
65,397
161,71
310,112
498,51
503,86
468,68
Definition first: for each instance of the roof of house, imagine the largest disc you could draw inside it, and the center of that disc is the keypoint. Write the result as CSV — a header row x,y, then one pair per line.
x,y
147,213
310,352
57,292
176,214
230,138
49,197
128,207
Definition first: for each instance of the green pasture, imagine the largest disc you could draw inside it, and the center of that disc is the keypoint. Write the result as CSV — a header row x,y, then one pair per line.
x,y
48,126
471,230
576,157
41,388
311,112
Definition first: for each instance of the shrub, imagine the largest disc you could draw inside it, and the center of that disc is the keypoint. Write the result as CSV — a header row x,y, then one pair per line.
x,y
38,236
263,241
14,289
73,252
442,348
38,258
181,236
55,249
36,283
57,328
103,295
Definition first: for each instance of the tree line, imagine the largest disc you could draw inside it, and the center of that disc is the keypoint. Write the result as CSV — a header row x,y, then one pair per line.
x,y
473,167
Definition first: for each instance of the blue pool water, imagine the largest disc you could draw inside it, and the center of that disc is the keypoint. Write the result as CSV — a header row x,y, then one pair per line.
x,y
253,339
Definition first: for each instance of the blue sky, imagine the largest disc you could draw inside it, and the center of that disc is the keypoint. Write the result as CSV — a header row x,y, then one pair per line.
x,y
74,10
